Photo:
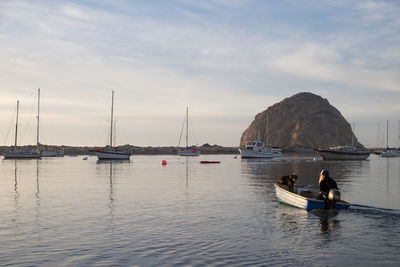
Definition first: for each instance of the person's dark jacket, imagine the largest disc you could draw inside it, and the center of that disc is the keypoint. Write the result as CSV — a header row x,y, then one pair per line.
x,y
327,184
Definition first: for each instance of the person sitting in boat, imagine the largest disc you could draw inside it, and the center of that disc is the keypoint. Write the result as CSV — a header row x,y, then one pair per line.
x,y
288,180
326,183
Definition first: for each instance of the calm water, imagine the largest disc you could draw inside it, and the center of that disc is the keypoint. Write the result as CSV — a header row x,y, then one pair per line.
x,y
66,211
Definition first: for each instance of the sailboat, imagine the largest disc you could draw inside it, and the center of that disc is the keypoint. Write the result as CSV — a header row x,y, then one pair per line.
x,y
389,153
24,153
343,152
112,154
188,151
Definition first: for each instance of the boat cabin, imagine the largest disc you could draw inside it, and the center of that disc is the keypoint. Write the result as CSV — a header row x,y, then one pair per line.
x,y
254,144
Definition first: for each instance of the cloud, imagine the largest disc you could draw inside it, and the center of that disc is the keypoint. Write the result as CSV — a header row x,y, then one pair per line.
x,y
227,60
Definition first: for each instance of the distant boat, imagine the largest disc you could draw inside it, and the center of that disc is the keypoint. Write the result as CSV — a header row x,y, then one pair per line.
x,y
188,151
111,153
257,149
292,199
389,153
343,153
210,162
24,153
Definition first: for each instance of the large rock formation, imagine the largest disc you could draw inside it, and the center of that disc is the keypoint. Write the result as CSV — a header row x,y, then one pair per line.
x,y
304,120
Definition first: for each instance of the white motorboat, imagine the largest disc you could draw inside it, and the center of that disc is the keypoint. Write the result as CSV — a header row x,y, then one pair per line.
x,y
257,149
24,153
111,153
343,153
187,151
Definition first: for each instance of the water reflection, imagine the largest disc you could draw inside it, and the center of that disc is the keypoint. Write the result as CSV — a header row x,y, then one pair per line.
x,y
37,192
111,194
291,220
187,179
111,164
16,195
328,221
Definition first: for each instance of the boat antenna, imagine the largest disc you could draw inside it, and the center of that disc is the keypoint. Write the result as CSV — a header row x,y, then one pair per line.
x,y
112,116
16,126
38,116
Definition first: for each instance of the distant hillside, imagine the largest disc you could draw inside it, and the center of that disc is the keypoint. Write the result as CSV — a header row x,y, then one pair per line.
x,y
304,120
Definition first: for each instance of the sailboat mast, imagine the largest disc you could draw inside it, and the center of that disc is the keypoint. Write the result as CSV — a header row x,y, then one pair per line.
x,y
38,117
187,126
387,133
112,116
115,132
16,126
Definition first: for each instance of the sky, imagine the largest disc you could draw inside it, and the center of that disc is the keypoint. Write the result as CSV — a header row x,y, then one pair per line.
x,y
226,59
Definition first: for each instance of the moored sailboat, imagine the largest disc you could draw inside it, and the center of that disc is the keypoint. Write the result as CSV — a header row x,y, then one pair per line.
x,y
111,153
24,153
187,151
344,152
389,153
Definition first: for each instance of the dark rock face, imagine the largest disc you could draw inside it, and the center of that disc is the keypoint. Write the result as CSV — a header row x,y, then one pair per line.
x,y
304,120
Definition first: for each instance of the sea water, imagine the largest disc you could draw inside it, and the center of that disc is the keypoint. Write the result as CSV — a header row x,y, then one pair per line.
x,y
73,212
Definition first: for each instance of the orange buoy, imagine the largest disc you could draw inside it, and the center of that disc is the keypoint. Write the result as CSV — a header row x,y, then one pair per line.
x,y
164,162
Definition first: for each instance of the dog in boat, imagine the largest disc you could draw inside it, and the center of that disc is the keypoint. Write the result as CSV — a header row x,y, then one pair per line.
x,y
288,180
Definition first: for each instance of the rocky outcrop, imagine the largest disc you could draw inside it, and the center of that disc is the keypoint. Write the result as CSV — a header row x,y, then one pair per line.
x,y
304,120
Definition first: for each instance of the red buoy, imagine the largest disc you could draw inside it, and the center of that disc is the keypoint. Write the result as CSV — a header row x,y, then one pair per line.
x,y
164,162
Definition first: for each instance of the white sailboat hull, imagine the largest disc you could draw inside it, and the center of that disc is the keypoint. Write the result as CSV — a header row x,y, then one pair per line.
x,y
110,155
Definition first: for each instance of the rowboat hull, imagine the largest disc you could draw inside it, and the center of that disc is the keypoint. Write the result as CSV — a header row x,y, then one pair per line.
x,y
339,155
286,197
111,155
